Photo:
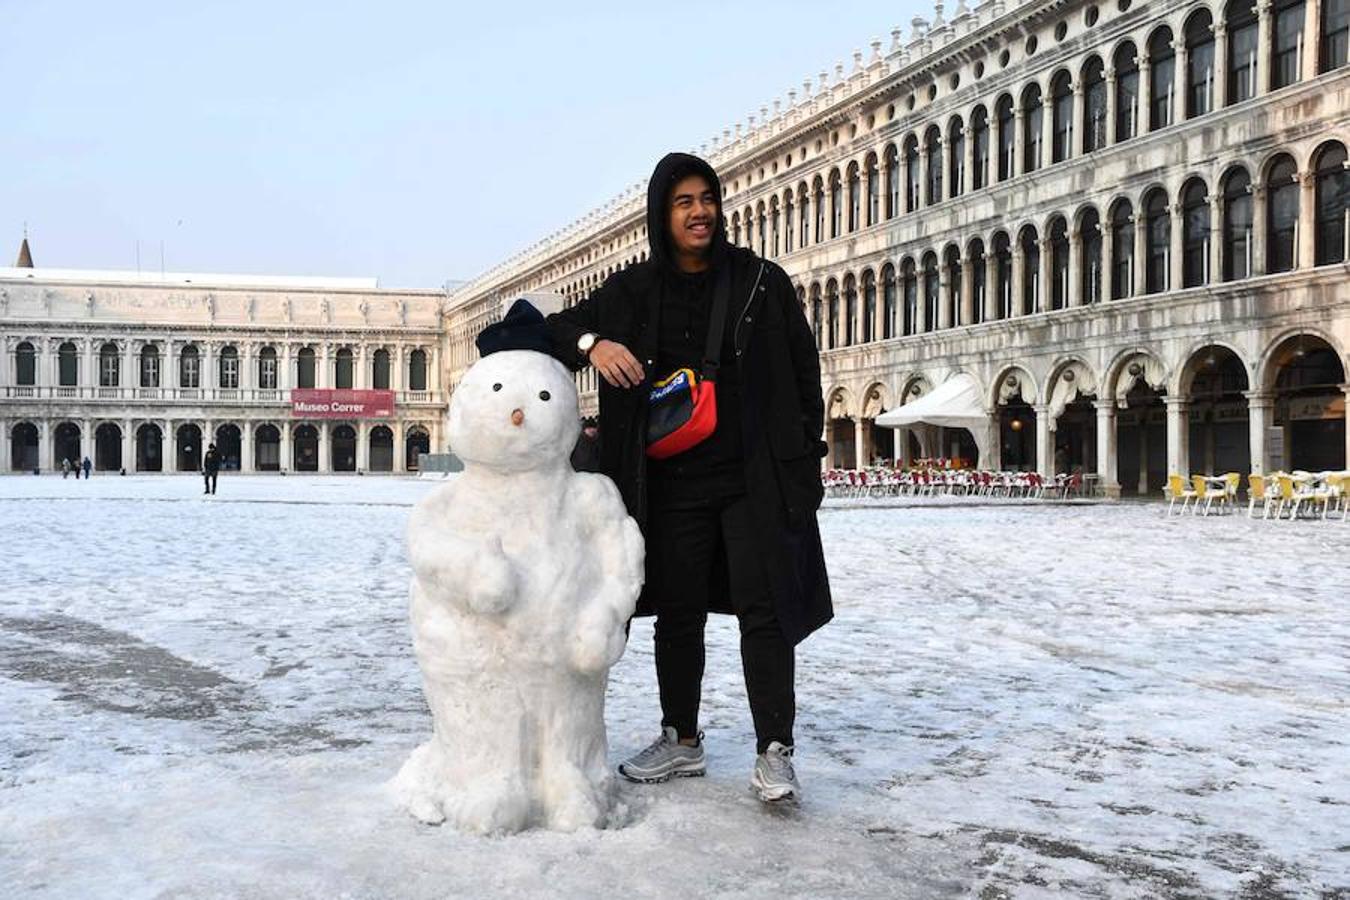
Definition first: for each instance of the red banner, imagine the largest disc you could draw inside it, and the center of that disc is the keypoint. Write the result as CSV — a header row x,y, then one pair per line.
x,y
310,403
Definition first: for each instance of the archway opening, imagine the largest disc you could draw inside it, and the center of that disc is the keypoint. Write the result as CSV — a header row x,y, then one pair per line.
x,y
23,447
66,445
267,448
344,449
418,442
108,447
305,448
149,448
1220,434
1076,438
1017,434
228,446
1141,441
189,456
381,449
1309,406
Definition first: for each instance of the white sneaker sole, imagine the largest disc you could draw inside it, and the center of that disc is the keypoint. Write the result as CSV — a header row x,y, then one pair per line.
x,y
780,793
680,770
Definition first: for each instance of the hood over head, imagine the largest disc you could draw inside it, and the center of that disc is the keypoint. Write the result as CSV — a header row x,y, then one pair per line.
x,y
671,168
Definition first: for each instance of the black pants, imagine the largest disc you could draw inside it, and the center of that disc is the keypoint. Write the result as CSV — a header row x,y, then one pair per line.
x,y
210,482
684,541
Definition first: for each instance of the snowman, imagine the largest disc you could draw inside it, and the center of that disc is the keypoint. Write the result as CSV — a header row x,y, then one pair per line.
x,y
525,575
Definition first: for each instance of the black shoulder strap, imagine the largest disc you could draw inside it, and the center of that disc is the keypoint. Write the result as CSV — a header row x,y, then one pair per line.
x,y
717,324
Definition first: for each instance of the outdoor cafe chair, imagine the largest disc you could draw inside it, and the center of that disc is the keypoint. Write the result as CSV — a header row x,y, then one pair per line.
x,y
1256,492
1176,490
1205,493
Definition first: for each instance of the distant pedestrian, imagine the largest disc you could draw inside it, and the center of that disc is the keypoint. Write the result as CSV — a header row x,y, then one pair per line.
x,y
211,468
87,466
65,468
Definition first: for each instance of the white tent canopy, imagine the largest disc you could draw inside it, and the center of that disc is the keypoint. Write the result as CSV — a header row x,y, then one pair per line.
x,y
953,404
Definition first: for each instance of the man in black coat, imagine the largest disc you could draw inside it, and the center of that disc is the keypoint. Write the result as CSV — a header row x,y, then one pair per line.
x,y
211,468
729,523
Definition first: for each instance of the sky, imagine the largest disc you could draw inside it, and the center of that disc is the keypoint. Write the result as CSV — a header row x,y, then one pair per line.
x,y
417,143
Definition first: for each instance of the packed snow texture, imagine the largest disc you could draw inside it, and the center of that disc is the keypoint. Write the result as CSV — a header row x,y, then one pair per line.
x,y
207,696
525,574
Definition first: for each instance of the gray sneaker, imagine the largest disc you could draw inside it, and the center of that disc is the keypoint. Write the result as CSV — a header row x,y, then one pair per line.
x,y
665,757
774,779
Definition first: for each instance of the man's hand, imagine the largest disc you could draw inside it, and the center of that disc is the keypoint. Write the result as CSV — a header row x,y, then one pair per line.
x,y
616,364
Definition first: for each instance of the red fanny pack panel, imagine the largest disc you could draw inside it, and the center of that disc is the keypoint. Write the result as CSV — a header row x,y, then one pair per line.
x,y
701,423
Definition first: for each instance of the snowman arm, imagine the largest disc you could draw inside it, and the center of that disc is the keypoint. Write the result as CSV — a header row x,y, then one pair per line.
x,y
617,542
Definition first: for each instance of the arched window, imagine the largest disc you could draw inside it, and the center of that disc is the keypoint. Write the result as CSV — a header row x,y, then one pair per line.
x,y
1002,247
267,368
775,227
1006,137
854,198
1199,65
1094,105
1090,269
819,200
975,259
149,366
951,263
1031,128
109,369
832,313
804,215
932,149
873,190
789,224
417,370
869,306
189,367
750,228
932,283
1122,250
1157,241
979,133
736,228
1127,92
1031,269
889,307
229,368
892,182
1194,234
836,204
816,315
1237,225
343,370
1059,263
1286,51
1061,124
25,365
1282,191
1240,17
1162,82
956,156
1335,35
911,173
305,368
850,310
761,222
909,289
1333,204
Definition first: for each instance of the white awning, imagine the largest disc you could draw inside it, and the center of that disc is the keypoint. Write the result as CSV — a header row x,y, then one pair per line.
x,y
953,404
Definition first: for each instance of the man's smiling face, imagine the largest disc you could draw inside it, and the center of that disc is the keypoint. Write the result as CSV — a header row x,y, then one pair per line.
x,y
693,216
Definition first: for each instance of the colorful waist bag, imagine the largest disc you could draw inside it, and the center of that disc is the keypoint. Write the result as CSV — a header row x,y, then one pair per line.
x,y
682,407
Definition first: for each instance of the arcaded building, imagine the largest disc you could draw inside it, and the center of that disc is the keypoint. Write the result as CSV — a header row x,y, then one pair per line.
x,y
1124,223
140,372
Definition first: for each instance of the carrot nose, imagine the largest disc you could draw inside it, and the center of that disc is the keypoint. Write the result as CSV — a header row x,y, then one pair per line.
x,y
517,417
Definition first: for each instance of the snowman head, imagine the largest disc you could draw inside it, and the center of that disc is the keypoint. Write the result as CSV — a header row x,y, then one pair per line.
x,y
514,411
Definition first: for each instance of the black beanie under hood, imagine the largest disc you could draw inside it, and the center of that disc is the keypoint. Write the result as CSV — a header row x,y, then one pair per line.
x,y
671,168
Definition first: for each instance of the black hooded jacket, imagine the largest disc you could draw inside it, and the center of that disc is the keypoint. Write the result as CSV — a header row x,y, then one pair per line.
x,y
772,357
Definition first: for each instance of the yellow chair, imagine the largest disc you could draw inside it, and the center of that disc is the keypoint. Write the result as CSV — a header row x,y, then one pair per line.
x,y
1203,494
1256,492
1234,483
1286,496
1176,489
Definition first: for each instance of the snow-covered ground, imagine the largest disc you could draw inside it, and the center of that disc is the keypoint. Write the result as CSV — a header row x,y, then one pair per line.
x,y
205,697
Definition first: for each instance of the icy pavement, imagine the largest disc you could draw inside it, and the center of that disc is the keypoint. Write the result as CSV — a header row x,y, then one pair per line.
x,y
205,696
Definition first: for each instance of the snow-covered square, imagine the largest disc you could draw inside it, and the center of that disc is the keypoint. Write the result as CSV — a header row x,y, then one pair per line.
x,y
207,696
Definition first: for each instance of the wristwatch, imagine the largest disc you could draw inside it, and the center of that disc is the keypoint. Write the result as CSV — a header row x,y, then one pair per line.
x,y
586,343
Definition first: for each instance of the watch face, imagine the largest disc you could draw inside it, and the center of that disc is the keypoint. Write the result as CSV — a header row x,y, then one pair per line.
x,y
586,342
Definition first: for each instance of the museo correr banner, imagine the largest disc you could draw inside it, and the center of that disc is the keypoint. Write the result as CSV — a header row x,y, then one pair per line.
x,y
313,403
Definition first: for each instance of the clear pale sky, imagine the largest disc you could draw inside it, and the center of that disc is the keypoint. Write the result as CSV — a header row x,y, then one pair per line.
x,y
412,142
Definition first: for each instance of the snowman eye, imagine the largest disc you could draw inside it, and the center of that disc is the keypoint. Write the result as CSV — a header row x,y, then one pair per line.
x,y
544,395
497,386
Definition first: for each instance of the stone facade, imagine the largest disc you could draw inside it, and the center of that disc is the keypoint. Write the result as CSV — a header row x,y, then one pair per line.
x,y
139,372
1126,221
